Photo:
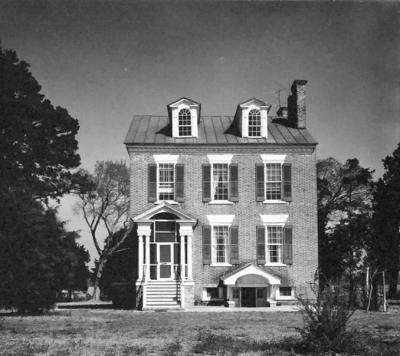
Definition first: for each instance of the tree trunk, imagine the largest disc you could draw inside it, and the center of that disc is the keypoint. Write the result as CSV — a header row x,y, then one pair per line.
x,y
99,273
393,278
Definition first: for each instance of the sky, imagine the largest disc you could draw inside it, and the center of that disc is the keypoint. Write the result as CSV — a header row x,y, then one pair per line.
x,y
105,61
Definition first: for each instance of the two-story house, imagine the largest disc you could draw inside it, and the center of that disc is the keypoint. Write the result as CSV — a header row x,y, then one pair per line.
x,y
225,208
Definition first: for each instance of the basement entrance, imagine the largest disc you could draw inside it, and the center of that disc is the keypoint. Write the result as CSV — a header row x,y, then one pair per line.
x,y
248,297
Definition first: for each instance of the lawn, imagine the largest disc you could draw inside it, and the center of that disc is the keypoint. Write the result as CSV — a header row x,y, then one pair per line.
x,y
113,332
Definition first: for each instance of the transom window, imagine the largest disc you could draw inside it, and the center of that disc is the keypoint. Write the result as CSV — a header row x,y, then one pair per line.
x,y
274,244
254,125
220,181
273,181
184,123
220,244
166,181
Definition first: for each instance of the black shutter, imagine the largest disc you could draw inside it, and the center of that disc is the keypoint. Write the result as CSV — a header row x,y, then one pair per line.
x,y
152,183
234,253
206,182
260,244
233,183
288,245
179,183
207,245
287,181
260,195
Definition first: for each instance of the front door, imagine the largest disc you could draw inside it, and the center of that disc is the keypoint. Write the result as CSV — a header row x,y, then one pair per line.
x,y
248,297
165,260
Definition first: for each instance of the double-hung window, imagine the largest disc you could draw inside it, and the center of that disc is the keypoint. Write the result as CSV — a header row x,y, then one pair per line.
x,y
273,179
184,123
220,241
274,244
220,180
166,181
254,124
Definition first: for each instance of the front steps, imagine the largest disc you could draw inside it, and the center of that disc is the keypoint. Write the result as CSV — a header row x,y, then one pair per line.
x,y
162,295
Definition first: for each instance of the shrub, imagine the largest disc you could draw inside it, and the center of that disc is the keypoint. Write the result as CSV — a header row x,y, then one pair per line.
x,y
325,317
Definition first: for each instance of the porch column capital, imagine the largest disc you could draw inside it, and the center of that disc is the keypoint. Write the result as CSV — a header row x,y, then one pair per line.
x,y
144,229
185,229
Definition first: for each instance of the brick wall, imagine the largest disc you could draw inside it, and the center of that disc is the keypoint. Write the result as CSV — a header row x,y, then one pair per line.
x,y
302,210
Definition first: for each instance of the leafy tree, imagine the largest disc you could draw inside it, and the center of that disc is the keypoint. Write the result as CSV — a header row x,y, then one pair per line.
x,y
344,204
35,251
384,246
75,271
37,140
104,203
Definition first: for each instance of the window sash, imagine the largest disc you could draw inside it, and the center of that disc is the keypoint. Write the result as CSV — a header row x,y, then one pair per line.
x,y
274,243
166,181
254,123
220,181
184,123
273,181
220,244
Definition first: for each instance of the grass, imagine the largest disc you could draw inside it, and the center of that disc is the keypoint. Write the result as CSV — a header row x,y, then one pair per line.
x,y
113,332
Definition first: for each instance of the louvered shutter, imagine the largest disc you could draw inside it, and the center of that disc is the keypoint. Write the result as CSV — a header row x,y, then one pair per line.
x,y
233,183
234,246
260,232
207,244
206,182
179,183
152,183
288,245
287,181
260,182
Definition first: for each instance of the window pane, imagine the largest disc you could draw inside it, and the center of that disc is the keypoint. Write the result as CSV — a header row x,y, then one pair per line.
x,y
220,241
273,181
254,125
220,183
285,291
274,243
184,123
166,182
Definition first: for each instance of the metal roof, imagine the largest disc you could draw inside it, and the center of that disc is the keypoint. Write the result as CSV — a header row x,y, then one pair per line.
x,y
155,130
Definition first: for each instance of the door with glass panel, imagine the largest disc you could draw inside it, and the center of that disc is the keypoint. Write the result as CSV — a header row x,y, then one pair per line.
x,y
165,260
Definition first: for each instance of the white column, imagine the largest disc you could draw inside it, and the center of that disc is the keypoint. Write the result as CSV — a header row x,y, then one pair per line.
x,y
140,262
189,257
182,257
144,229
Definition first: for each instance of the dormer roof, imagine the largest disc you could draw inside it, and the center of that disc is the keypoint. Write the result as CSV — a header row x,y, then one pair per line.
x,y
255,102
185,101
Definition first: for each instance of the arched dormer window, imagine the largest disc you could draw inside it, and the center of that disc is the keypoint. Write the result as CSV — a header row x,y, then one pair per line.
x,y
254,123
184,123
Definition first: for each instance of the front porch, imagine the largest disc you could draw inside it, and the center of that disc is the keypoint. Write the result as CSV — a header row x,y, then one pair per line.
x,y
165,272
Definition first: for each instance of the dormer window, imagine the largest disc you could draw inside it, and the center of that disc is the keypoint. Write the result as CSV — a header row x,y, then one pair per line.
x,y
184,117
184,123
254,123
251,118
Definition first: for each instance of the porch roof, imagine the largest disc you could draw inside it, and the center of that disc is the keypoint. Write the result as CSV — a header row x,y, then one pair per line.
x,y
232,276
165,207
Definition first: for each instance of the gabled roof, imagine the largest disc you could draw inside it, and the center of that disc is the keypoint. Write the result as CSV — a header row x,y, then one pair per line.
x,y
164,207
212,130
254,101
249,269
187,101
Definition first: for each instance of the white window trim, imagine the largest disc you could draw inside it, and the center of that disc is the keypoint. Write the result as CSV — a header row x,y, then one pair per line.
x,y
158,184
220,159
194,112
284,297
273,220
172,159
219,220
191,121
272,158
261,121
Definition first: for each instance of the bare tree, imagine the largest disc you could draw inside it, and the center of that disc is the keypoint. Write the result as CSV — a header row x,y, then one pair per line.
x,y
104,205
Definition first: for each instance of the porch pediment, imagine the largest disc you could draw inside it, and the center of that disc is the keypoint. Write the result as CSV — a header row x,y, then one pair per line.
x,y
253,272
164,207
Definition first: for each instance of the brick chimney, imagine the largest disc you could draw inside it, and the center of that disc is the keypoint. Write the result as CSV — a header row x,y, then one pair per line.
x,y
297,104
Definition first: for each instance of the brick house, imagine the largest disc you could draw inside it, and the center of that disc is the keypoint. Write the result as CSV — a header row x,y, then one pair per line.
x,y
225,208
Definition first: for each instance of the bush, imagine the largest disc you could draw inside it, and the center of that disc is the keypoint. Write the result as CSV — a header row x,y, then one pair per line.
x,y
123,295
325,318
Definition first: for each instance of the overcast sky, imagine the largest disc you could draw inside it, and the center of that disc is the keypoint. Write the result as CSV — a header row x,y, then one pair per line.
x,y
105,61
